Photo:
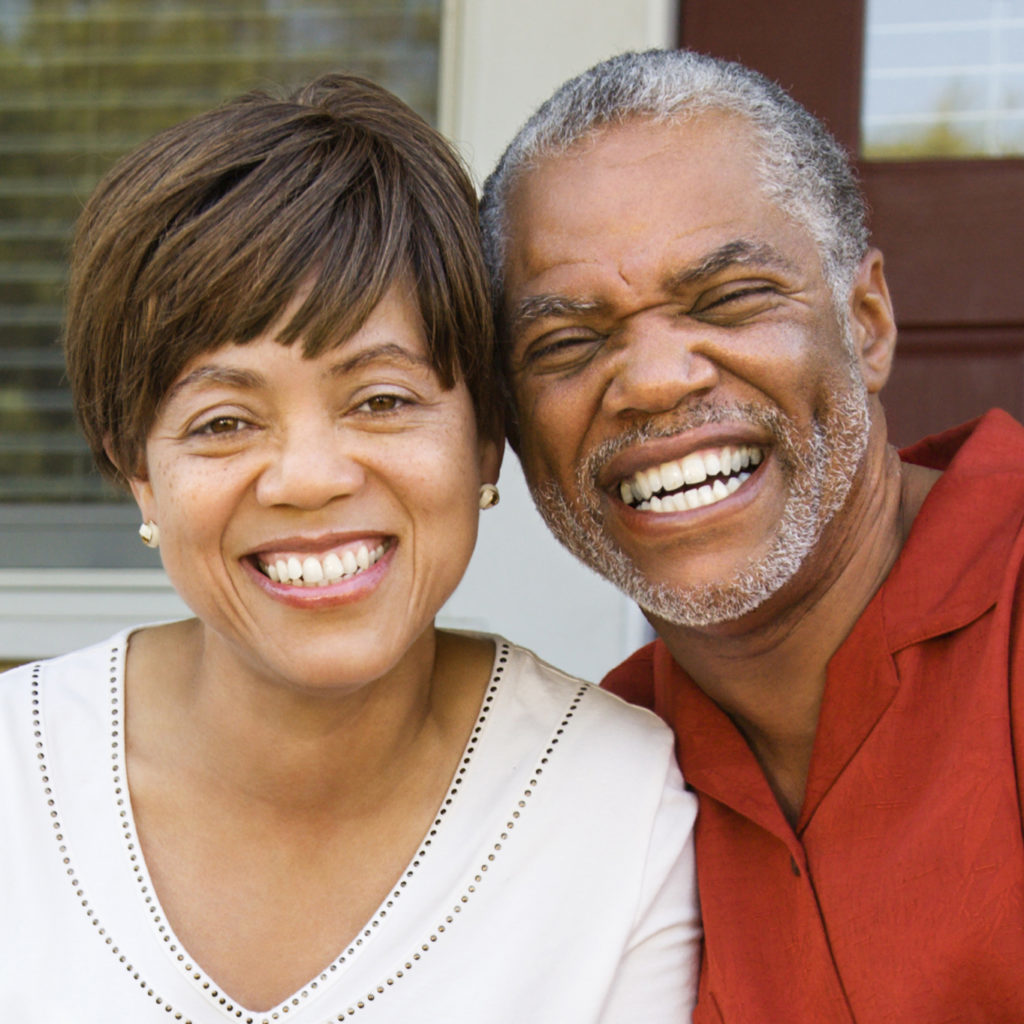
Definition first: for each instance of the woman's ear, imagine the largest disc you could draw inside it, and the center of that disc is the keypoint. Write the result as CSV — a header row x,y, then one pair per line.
x,y
872,322
142,492
137,482
491,455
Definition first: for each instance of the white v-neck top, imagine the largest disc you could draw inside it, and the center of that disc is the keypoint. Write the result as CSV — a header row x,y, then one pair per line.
x,y
556,885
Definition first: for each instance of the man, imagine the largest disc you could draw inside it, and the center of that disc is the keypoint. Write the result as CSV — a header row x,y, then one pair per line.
x,y
696,337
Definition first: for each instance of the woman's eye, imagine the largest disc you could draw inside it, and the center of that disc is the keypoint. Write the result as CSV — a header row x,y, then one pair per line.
x,y
382,403
221,425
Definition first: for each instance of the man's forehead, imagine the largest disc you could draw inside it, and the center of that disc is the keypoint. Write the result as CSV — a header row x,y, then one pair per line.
x,y
636,190
614,146
617,162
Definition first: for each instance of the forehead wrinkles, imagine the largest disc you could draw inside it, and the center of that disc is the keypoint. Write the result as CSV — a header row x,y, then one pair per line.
x,y
557,203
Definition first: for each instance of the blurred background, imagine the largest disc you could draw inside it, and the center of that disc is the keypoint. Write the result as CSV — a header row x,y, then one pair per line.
x,y
928,94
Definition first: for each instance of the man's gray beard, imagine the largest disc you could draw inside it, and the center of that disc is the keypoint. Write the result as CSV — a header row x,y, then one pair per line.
x,y
819,472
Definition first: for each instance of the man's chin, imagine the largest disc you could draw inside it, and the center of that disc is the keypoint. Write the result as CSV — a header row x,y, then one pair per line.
x,y
693,605
711,601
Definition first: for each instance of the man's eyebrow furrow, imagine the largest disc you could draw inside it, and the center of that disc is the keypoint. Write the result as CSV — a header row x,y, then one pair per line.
x,y
739,252
736,253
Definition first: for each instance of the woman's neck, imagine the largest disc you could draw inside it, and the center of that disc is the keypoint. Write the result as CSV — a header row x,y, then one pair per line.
x,y
192,703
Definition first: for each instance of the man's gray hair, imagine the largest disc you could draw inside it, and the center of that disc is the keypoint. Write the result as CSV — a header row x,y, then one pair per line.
x,y
804,169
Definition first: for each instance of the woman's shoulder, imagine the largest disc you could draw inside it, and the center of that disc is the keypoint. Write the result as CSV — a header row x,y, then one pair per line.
x,y
609,722
592,759
81,660
106,656
72,675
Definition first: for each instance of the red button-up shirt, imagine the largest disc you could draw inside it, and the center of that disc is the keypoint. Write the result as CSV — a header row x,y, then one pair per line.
x,y
899,896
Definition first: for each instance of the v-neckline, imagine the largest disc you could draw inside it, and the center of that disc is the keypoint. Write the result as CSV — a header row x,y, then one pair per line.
x,y
145,901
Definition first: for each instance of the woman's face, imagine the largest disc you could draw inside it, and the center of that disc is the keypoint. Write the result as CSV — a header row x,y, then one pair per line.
x,y
316,513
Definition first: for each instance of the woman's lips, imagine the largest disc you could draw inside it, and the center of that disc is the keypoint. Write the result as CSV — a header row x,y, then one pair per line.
x,y
308,569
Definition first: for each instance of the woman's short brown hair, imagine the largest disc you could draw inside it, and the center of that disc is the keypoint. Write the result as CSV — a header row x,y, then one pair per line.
x,y
203,235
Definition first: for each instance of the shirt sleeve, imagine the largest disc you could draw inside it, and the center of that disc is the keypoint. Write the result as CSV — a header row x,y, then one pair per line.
x,y
1015,658
656,980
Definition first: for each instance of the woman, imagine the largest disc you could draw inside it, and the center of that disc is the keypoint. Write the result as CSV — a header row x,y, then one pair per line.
x,y
307,803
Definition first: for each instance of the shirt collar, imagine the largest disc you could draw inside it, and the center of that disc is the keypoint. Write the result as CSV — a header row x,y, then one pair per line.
x,y
951,567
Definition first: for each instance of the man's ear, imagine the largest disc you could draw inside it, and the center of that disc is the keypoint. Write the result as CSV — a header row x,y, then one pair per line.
x,y
872,322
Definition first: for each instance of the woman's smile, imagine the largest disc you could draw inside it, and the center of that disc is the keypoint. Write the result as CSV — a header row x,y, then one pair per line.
x,y
311,570
320,581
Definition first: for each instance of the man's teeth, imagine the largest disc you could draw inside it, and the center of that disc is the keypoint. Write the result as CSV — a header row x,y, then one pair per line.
x,y
699,479
316,572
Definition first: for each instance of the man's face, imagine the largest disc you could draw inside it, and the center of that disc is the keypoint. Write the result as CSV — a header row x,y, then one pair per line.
x,y
691,415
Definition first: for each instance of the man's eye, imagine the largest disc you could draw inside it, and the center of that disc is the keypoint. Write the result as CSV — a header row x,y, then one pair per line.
x,y
739,301
559,353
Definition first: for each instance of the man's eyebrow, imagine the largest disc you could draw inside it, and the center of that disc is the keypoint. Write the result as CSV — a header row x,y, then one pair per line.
x,y
540,307
740,252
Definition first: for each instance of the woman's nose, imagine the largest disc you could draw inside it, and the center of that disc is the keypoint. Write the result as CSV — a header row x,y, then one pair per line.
x,y
660,364
312,464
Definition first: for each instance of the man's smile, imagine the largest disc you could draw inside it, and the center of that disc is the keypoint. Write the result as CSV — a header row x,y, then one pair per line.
x,y
698,479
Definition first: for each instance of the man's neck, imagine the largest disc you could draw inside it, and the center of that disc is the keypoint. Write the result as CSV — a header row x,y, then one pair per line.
x,y
768,671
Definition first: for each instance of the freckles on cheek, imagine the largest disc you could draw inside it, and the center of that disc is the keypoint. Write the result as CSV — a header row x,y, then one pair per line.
x,y
192,497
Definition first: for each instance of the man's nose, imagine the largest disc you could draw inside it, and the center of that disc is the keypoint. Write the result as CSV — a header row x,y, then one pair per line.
x,y
310,466
661,362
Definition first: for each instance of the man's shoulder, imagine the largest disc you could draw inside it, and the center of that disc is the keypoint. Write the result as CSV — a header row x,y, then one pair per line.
x,y
633,679
980,493
965,548
992,436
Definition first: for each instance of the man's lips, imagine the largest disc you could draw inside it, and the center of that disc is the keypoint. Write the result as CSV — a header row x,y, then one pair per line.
x,y
698,479
321,568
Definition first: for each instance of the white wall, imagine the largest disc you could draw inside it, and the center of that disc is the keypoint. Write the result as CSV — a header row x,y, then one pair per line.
x,y
500,58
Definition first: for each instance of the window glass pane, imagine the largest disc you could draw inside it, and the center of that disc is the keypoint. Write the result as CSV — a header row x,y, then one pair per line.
x,y
943,78
81,82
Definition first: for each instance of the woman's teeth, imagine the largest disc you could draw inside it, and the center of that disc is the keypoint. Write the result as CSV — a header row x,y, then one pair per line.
x,y
699,479
319,572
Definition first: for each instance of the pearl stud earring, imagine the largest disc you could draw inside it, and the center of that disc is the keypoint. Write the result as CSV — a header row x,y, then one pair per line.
x,y
489,496
150,534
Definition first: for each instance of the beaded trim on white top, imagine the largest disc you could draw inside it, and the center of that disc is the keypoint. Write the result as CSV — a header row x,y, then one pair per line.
x,y
205,984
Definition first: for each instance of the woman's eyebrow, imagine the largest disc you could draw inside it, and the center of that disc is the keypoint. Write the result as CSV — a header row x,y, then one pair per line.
x,y
214,374
385,352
